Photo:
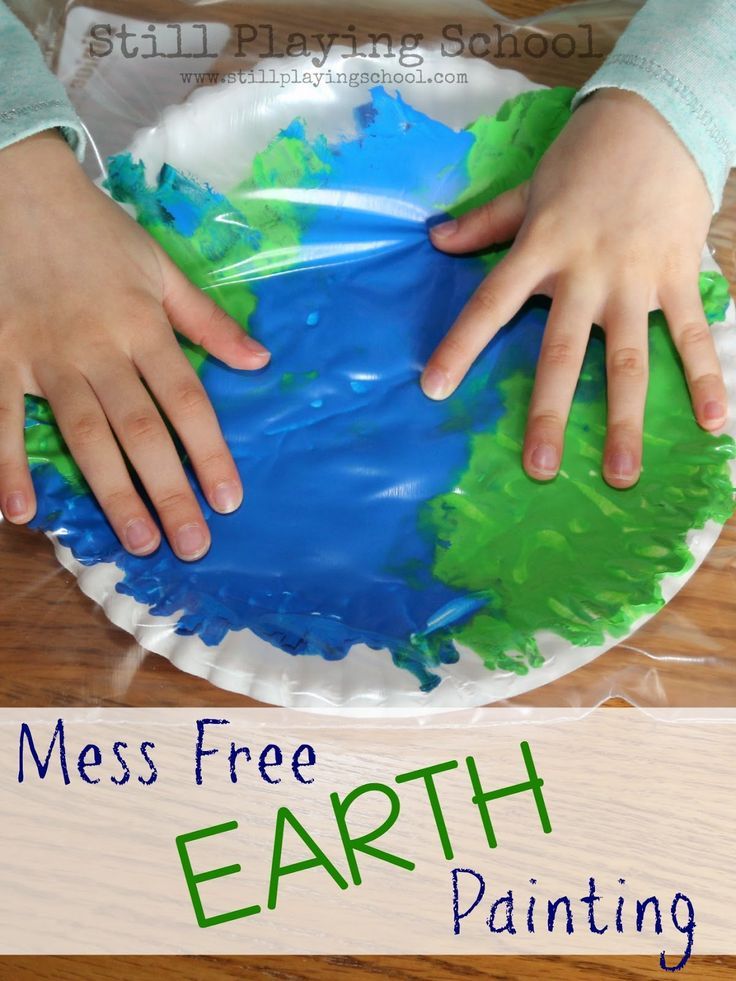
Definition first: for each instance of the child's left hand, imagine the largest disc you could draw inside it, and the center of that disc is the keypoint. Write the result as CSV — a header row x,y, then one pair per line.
x,y
612,226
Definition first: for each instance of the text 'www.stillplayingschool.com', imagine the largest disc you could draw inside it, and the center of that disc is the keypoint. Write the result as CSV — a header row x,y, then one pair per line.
x,y
474,898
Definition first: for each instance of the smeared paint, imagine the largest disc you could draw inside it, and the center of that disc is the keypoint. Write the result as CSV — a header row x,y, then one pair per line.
x,y
575,557
452,613
507,149
373,515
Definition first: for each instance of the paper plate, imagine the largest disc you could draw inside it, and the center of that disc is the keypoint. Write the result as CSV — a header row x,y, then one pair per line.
x,y
238,126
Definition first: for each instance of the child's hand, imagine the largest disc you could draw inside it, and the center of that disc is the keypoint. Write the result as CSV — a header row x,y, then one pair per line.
x,y
611,226
89,302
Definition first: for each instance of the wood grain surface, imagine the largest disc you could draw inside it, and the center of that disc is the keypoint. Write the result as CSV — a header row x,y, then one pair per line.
x,y
57,649
337,968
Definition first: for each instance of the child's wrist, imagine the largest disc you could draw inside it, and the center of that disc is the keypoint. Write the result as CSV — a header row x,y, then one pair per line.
x,y
49,145
44,159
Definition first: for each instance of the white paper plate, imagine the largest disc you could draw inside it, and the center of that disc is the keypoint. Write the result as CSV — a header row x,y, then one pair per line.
x,y
243,662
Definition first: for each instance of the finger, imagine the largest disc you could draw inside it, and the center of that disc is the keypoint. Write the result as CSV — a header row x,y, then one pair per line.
x,y
17,499
683,308
138,425
627,368
495,222
558,371
198,317
92,444
183,399
495,302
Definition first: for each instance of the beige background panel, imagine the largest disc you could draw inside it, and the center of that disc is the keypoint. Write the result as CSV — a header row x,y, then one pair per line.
x,y
94,869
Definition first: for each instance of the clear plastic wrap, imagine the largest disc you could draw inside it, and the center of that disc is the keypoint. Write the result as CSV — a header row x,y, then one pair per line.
x,y
302,206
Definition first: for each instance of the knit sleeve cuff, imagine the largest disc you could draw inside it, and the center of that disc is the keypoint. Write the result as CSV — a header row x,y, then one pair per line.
x,y
23,121
32,99
692,121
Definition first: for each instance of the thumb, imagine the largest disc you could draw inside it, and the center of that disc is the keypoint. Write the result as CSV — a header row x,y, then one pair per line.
x,y
194,314
493,223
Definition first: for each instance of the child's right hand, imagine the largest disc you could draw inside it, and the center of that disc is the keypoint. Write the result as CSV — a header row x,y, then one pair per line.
x,y
89,303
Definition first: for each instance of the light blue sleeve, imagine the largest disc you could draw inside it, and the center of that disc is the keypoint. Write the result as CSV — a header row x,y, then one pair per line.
x,y
680,55
32,99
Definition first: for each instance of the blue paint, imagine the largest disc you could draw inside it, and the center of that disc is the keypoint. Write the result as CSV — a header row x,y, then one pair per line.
x,y
455,611
326,551
182,205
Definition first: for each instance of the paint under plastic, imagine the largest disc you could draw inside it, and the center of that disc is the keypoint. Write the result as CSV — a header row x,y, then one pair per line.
x,y
373,515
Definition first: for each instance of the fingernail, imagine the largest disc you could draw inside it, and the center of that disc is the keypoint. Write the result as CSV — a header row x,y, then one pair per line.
x,y
435,383
255,349
622,465
16,505
545,459
191,541
445,229
227,497
714,411
139,536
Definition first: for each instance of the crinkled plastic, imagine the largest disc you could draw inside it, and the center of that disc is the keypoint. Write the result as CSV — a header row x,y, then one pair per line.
x,y
390,551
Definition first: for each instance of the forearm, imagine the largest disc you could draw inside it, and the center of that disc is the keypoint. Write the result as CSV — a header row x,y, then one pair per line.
x,y
681,57
31,98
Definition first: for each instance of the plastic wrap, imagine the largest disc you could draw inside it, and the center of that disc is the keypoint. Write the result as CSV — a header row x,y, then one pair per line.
x,y
371,565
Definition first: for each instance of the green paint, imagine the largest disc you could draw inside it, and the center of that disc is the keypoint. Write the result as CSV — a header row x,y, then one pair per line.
x,y
716,296
291,380
574,556
239,238
536,549
45,445
509,145
533,550
213,258
508,149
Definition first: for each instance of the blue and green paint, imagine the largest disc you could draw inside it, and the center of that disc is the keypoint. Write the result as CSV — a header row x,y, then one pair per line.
x,y
373,515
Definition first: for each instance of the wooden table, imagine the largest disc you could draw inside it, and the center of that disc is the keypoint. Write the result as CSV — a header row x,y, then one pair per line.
x,y
57,649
